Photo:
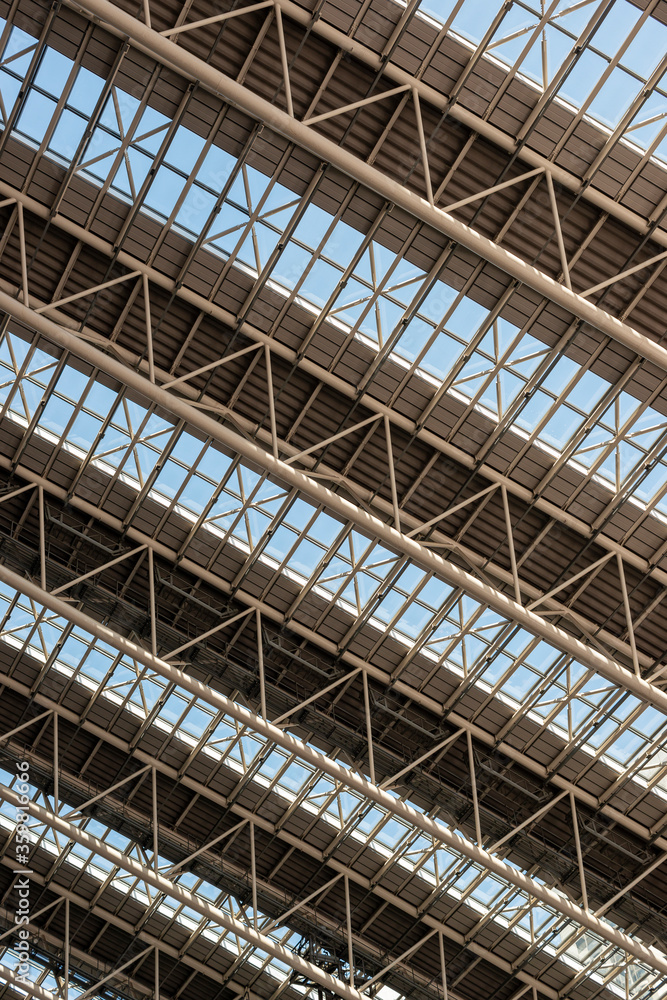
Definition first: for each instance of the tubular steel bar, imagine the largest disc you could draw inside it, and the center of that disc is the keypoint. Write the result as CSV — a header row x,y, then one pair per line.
x,y
351,779
193,68
368,523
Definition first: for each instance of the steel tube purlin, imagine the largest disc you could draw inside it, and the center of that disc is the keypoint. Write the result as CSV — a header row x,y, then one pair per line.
x,y
354,781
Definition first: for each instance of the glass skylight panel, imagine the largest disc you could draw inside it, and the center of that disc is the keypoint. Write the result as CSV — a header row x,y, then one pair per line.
x,y
16,59
575,393
36,366
500,366
97,869
604,93
461,323
514,34
472,20
617,450
649,121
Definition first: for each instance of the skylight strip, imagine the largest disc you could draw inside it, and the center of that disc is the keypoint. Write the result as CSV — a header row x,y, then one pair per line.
x,y
617,52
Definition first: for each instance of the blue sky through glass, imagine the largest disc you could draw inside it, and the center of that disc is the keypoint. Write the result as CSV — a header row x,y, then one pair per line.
x,y
555,43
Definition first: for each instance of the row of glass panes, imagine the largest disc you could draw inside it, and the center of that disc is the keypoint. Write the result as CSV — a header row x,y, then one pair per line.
x,y
542,59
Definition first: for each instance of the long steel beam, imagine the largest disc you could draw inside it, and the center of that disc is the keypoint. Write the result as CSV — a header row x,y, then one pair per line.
x,y
368,523
321,373
481,126
346,777
190,66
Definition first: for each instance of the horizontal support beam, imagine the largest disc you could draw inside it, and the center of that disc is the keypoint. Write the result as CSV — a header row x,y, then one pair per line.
x,y
321,373
346,777
368,523
193,68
